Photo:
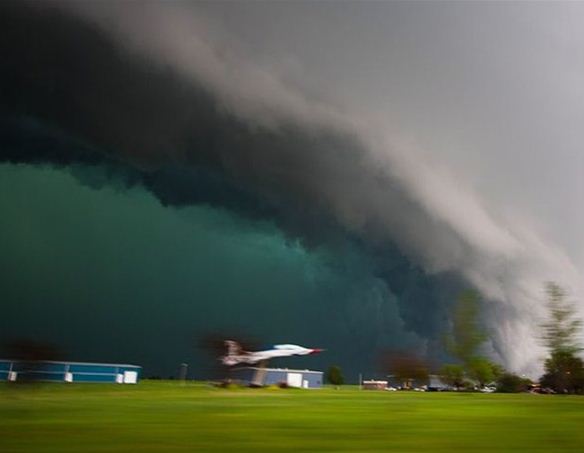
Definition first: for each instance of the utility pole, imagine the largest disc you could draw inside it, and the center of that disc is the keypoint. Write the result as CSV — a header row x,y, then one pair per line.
x,y
182,372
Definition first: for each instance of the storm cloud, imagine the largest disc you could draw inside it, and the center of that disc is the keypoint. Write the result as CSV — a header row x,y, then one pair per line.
x,y
163,97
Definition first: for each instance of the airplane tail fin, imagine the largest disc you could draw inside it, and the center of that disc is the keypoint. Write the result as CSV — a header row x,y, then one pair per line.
x,y
233,347
234,352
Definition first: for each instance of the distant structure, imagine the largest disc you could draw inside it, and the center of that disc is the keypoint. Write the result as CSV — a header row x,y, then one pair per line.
x,y
279,376
374,385
436,384
433,383
183,370
50,371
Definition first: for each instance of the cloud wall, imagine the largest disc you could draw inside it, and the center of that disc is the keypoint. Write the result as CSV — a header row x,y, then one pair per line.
x,y
166,92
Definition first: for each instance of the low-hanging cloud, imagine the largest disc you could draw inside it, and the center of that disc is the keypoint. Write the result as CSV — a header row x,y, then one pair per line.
x,y
161,92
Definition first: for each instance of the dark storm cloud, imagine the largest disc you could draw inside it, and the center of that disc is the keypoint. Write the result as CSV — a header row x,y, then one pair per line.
x,y
68,80
149,96
72,99
71,96
114,276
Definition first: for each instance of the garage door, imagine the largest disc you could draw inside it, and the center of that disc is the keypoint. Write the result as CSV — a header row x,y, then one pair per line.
x,y
294,380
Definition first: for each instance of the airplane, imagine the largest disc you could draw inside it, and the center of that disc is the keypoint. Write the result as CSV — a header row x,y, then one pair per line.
x,y
236,355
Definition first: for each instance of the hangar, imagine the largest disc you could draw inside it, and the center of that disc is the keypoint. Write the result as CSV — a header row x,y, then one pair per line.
x,y
52,371
279,376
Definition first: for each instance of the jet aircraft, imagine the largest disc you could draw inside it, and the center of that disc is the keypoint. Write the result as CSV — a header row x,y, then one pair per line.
x,y
236,355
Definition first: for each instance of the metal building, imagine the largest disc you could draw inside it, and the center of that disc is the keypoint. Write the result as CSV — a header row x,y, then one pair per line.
x,y
50,371
279,376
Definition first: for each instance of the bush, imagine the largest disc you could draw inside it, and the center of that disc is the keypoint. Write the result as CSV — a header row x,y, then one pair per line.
x,y
511,383
335,375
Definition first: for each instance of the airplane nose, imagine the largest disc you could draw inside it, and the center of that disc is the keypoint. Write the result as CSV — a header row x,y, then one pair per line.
x,y
316,351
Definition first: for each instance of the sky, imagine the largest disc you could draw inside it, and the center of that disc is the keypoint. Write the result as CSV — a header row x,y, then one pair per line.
x,y
321,173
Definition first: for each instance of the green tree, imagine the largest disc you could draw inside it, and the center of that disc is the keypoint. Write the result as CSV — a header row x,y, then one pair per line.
x,y
334,375
408,368
564,371
465,340
560,333
453,375
467,334
483,371
511,383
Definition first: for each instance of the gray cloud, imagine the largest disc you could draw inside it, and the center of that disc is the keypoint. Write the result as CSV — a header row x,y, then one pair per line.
x,y
447,209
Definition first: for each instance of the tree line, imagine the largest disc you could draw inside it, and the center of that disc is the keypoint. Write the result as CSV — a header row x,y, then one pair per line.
x,y
471,369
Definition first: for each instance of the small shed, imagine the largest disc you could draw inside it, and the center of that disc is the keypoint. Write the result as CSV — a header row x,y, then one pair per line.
x,y
278,376
52,371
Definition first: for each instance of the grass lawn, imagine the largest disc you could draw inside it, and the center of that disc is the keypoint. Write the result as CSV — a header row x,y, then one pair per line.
x,y
165,416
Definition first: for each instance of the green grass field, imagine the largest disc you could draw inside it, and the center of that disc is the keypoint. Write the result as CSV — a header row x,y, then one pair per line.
x,y
165,416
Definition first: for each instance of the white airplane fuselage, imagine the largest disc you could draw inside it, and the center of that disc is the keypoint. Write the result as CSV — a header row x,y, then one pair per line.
x,y
236,356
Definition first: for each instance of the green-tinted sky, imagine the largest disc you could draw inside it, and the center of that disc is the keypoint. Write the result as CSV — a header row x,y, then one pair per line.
x,y
302,172
114,276
143,208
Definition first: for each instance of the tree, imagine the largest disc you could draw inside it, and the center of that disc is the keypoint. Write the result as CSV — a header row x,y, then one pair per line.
x,y
511,383
564,371
408,368
335,375
467,335
33,356
483,371
465,339
453,375
560,333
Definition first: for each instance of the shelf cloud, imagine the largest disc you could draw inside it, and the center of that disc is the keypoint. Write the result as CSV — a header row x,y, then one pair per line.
x,y
399,158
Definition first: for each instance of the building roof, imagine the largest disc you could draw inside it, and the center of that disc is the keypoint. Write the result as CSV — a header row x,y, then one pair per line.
x,y
287,370
66,362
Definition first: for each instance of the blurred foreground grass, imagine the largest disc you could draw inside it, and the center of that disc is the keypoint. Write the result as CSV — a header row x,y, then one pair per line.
x,y
168,416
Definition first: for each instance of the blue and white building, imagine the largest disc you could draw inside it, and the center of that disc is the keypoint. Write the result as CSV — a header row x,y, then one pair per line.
x,y
278,376
51,371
